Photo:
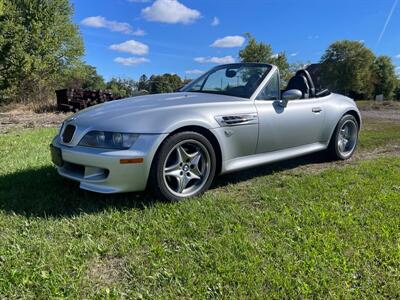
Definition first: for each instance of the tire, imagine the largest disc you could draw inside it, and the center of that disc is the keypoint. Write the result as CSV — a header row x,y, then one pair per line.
x,y
183,167
344,139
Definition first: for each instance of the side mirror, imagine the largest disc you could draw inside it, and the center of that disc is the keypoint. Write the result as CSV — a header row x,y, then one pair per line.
x,y
230,73
291,95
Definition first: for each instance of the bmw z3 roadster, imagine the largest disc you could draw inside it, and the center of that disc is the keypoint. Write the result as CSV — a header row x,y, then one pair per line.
x,y
233,117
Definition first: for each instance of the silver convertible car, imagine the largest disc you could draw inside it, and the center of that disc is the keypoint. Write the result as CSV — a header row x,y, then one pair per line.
x,y
233,117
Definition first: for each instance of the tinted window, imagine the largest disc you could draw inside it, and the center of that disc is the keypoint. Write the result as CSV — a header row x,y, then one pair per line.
x,y
271,90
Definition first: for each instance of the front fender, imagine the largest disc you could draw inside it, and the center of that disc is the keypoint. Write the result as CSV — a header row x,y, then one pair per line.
x,y
337,108
200,121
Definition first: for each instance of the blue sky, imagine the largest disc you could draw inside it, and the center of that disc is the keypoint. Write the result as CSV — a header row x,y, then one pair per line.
x,y
127,38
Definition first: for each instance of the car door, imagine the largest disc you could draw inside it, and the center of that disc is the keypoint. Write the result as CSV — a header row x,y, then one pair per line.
x,y
299,123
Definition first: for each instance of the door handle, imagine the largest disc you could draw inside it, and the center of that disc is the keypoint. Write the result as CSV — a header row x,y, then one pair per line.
x,y
316,109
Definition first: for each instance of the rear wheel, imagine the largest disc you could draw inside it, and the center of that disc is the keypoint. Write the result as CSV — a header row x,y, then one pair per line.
x,y
345,138
183,167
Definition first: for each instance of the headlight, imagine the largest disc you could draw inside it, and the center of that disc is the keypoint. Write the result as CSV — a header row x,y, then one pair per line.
x,y
109,140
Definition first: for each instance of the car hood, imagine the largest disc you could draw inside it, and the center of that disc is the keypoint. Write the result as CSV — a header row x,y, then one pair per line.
x,y
154,113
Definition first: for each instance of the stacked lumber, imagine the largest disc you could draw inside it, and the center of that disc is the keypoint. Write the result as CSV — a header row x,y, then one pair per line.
x,y
76,99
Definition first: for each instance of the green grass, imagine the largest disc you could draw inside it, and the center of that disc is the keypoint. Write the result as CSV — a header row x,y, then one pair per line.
x,y
379,133
280,234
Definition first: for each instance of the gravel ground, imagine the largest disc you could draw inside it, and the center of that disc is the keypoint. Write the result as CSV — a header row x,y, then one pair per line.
x,y
19,119
389,115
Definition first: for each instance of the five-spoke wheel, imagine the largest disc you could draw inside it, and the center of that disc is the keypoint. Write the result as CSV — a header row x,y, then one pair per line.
x,y
184,166
345,138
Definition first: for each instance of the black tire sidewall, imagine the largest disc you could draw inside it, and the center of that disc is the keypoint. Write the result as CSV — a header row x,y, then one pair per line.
x,y
157,181
334,143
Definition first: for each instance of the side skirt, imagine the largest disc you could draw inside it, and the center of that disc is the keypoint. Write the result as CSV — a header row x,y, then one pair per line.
x,y
269,157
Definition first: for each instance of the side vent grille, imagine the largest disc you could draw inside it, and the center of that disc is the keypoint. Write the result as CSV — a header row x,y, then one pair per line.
x,y
233,120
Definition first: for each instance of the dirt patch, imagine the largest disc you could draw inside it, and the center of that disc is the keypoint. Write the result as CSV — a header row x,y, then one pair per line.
x,y
106,272
359,155
20,119
387,114
378,105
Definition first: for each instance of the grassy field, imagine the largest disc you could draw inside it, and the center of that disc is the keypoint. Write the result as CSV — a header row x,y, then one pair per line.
x,y
288,230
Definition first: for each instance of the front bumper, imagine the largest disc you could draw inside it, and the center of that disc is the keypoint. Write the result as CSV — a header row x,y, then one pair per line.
x,y
101,170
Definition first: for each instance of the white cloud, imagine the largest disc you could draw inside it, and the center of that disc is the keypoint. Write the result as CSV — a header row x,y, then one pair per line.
x,y
139,32
215,60
194,72
229,42
397,56
313,37
215,22
101,22
170,11
294,54
276,55
132,47
131,61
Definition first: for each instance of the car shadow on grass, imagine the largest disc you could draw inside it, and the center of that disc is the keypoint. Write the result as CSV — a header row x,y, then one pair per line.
x,y
43,193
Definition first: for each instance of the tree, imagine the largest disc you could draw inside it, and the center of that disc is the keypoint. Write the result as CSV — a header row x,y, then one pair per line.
x,y
166,83
397,89
347,67
92,80
123,87
37,42
143,84
174,81
259,52
281,62
384,77
82,75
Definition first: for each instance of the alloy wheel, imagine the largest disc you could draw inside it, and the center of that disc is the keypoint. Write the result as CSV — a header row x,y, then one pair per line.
x,y
347,139
186,168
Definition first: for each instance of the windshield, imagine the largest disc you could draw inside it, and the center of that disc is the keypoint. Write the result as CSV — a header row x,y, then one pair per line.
x,y
239,80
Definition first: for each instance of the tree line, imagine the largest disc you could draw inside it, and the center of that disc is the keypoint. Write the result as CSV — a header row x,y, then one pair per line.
x,y
41,50
347,67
